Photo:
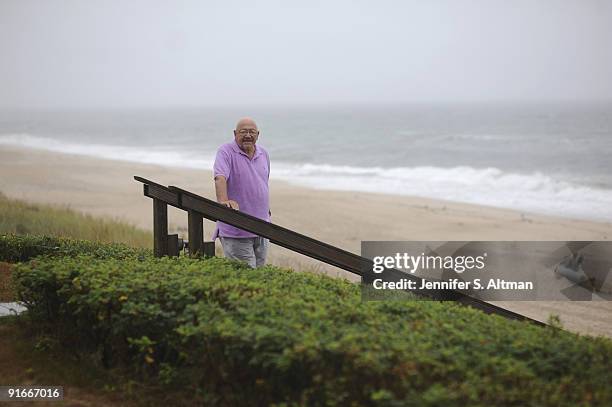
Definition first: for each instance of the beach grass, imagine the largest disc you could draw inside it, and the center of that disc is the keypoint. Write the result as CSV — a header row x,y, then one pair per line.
x,y
23,218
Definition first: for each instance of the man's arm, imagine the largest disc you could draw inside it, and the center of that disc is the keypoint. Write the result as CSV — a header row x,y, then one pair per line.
x,y
221,191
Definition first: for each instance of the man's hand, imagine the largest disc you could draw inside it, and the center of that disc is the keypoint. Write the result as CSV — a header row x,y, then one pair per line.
x,y
230,204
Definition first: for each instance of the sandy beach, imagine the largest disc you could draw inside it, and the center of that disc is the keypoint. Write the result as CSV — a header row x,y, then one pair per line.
x,y
344,219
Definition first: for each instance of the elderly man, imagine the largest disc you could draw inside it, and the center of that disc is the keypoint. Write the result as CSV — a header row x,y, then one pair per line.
x,y
241,171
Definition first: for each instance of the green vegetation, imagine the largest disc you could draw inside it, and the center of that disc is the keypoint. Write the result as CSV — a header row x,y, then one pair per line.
x,y
228,335
21,218
15,248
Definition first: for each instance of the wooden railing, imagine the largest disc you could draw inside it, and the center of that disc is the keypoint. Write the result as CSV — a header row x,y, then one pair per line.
x,y
198,207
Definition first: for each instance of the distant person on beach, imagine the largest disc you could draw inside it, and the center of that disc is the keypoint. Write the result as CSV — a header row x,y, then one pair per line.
x,y
241,172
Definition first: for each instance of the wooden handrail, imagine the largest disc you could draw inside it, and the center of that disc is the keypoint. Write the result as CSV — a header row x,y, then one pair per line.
x,y
195,204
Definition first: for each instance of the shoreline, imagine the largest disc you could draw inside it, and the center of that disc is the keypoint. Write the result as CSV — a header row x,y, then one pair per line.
x,y
593,206
106,188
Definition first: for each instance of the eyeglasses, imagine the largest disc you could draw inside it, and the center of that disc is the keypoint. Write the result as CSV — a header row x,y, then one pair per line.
x,y
244,132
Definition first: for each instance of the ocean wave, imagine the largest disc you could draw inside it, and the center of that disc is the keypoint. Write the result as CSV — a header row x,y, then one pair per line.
x,y
535,192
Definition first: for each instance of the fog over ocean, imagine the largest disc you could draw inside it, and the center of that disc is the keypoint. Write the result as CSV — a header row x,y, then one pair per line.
x,y
553,159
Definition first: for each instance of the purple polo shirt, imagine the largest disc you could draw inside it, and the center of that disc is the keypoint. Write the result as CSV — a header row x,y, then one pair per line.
x,y
247,184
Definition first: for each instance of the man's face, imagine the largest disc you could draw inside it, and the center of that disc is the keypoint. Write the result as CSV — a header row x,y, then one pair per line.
x,y
246,135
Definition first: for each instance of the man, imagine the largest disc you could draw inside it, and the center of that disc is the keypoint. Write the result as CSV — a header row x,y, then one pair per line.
x,y
242,171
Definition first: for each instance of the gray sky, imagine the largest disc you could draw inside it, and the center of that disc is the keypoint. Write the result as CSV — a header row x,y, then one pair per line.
x,y
192,53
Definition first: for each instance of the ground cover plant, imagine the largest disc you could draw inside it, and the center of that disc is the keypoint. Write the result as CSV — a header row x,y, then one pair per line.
x,y
16,248
229,335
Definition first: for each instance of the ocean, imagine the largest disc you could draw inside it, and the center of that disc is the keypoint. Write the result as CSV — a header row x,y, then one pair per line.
x,y
553,159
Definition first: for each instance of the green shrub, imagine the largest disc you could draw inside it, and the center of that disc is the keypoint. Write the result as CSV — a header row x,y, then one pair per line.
x,y
272,336
14,248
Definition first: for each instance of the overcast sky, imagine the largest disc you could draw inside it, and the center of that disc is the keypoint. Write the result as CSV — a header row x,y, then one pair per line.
x,y
192,53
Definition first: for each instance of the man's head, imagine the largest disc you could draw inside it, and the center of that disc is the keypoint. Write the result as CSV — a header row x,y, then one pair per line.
x,y
246,134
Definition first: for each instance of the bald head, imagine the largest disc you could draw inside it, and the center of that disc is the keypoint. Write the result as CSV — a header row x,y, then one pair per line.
x,y
246,122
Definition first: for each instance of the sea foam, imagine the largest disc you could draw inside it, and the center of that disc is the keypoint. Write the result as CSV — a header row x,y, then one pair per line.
x,y
534,192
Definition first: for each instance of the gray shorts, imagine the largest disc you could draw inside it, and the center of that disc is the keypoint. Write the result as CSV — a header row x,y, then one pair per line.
x,y
252,250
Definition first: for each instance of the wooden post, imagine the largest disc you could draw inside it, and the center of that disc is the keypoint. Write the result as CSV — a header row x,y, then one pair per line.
x,y
174,245
196,233
160,228
209,249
